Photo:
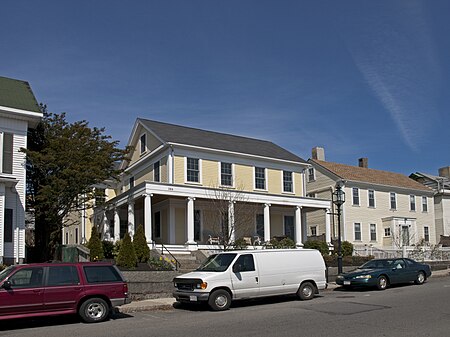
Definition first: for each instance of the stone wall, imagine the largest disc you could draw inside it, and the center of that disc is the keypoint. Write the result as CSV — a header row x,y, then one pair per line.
x,y
150,284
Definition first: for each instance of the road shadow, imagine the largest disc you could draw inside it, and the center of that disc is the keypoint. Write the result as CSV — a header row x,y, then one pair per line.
x,y
363,289
39,322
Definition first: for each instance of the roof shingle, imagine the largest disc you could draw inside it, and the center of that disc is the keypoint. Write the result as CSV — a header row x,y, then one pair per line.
x,y
367,175
171,133
17,94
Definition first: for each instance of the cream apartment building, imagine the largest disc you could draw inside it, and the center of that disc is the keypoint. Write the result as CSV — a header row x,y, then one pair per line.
x,y
183,184
382,209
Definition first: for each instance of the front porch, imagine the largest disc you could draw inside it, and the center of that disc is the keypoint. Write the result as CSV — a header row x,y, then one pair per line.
x,y
189,217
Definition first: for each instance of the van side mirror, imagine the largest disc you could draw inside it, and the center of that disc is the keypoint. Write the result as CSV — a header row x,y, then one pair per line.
x,y
237,268
7,284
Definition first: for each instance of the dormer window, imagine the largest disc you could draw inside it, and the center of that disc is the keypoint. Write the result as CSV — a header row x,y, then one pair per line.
x,y
143,143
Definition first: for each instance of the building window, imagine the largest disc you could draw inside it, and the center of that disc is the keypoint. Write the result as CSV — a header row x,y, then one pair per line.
x,y
355,194
311,174
157,224
289,230
387,232
131,182
313,230
67,238
260,225
371,198
260,178
7,153
143,143
76,236
393,200
412,203
226,174
357,227
424,204
156,173
373,232
99,195
8,234
426,233
193,170
287,181
311,195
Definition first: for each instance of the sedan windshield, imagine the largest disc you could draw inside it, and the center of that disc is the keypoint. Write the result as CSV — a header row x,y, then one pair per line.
x,y
217,262
377,264
5,272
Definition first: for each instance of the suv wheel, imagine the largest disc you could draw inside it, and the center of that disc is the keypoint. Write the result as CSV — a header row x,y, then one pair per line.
x,y
94,310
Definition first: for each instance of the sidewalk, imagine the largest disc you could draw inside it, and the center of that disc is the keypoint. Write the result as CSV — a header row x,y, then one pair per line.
x,y
167,303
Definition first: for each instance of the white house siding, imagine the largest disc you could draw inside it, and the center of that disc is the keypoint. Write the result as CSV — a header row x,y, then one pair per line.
x,y
15,197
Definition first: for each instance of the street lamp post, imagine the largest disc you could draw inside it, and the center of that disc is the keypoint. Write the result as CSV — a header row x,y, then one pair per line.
x,y
338,200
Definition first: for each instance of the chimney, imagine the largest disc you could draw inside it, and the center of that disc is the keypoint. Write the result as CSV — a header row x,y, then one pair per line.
x,y
444,172
318,153
363,162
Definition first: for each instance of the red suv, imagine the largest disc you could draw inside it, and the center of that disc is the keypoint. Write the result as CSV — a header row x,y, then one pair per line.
x,y
89,289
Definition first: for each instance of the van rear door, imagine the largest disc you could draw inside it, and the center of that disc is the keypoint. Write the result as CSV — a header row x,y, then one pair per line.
x,y
245,277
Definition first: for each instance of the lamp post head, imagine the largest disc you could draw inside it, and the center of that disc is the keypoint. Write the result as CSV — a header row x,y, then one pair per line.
x,y
338,195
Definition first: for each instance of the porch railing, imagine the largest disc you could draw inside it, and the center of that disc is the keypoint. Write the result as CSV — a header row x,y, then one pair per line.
x,y
177,263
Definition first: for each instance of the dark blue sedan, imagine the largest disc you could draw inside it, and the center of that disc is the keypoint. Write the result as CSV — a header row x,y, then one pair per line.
x,y
381,273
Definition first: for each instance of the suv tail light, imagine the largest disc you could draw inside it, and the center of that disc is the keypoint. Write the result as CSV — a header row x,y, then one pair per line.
x,y
125,289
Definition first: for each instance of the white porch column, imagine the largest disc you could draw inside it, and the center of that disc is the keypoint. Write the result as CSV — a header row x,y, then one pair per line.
x,y
131,218
190,221
298,226
231,228
116,224
148,218
106,229
328,226
266,222
172,226
304,227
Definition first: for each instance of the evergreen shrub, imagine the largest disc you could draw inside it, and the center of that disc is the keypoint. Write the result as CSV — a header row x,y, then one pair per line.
x,y
127,256
140,245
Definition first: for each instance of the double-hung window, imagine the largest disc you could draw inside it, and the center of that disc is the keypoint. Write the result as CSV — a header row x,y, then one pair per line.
x,y
426,233
156,172
355,194
287,182
260,178
393,197
387,232
424,204
412,202
373,232
192,170
226,174
311,174
371,195
143,143
357,228
6,149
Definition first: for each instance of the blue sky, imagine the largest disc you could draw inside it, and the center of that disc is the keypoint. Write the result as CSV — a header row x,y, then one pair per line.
x,y
359,78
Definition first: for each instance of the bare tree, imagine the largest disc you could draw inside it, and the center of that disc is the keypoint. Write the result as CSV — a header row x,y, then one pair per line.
x,y
232,215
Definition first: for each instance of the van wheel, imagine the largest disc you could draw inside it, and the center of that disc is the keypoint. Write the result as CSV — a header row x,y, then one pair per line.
x,y
306,291
94,310
219,300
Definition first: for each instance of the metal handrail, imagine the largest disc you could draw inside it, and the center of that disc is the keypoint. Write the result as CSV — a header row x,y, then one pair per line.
x,y
177,263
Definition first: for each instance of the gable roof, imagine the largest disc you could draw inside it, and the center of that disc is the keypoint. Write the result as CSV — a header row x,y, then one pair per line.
x,y
431,180
370,176
17,94
176,134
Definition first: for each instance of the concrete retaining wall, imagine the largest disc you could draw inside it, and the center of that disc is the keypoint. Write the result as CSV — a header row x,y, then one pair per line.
x,y
149,284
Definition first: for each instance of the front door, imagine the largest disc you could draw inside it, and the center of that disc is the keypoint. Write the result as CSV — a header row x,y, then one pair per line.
x,y
244,277
26,294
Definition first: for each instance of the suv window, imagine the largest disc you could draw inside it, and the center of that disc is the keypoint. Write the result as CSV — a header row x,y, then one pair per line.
x,y
99,274
62,275
27,278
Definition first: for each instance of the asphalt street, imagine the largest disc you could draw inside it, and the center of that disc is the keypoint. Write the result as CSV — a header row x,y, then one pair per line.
x,y
406,310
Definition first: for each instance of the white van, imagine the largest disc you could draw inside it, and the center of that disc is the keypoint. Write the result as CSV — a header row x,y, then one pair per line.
x,y
243,274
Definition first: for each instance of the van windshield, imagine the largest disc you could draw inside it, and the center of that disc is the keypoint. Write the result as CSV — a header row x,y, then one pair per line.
x,y
217,262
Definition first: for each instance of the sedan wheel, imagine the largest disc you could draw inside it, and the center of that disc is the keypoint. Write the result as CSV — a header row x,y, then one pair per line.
x,y
420,279
382,282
